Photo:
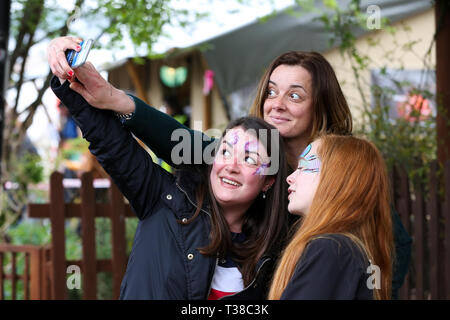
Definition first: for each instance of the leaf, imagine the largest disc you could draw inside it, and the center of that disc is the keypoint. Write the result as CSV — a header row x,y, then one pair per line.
x,y
331,4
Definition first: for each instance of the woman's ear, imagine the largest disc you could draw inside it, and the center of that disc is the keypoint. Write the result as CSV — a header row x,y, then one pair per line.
x,y
270,180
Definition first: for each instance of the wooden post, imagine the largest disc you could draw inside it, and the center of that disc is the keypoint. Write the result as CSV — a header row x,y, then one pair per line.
x,y
442,17
137,81
447,230
433,209
88,237
13,276
2,277
419,252
26,276
57,215
53,256
118,238
403,205
35,274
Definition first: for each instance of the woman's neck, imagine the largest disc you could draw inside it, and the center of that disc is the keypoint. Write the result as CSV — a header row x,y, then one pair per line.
x,y
234,217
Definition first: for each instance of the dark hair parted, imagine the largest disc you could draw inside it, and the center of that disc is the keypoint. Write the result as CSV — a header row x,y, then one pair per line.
x,y
265,222
331,112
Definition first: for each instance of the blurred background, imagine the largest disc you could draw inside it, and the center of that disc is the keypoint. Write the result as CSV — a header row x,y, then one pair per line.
x,y
200,61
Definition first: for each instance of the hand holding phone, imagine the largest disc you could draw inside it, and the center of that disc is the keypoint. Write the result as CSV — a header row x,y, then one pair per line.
x,y
77,59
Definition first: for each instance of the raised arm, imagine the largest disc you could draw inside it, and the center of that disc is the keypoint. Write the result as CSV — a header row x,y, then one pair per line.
x,y
129,166
156,129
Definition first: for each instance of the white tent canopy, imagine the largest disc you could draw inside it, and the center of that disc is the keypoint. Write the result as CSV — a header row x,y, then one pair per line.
x,y
238,58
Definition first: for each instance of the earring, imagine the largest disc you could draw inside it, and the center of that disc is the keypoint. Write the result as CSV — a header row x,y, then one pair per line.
x,y
264,195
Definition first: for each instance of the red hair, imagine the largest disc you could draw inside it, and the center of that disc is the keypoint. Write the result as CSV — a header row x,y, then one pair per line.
x,y
352,199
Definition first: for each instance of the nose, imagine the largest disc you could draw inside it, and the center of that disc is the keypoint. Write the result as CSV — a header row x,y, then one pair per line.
x,y
278,103
291,178
233,165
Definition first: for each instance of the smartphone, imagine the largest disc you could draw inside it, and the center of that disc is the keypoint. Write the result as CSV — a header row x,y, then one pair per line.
x,y
77,59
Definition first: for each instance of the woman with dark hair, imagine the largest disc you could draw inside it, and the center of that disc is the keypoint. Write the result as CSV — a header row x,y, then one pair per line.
x,y
298,94
343,246
212,231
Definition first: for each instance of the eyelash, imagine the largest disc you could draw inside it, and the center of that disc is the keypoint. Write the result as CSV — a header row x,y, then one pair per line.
x,y
269,91
247,157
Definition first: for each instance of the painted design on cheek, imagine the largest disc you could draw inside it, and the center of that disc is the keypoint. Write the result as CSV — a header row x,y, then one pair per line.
x,y
260,170
309,163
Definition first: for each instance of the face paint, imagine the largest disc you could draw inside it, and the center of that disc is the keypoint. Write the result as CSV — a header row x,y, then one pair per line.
x,y
309,163
306,151
248,146
260,170
235,139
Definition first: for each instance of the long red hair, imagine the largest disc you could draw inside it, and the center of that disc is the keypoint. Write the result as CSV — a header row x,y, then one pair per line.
x,y
352,199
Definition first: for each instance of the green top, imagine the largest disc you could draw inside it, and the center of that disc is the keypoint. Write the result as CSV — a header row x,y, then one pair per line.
x,y
155,129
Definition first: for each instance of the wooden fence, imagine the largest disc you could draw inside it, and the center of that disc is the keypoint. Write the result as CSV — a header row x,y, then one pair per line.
x,y
34,273
116,210
427,220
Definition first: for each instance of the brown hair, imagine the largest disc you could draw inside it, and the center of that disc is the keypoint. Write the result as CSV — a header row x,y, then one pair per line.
x,y
352,199
331,114
265,224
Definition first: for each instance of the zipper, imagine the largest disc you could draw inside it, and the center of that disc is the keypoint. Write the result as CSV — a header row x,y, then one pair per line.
x,y
251,283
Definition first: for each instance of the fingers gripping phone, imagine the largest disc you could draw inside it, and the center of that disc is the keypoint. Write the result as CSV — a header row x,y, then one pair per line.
x,y
77,59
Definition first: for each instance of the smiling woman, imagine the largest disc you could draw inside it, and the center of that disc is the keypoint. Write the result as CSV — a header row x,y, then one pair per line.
x,y
188,222
289,102
298,94
236,175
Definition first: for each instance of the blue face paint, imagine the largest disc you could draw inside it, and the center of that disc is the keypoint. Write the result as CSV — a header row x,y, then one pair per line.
x,y
306,151
309,163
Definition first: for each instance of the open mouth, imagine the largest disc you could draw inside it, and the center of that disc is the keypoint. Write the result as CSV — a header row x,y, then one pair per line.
x,y
230,182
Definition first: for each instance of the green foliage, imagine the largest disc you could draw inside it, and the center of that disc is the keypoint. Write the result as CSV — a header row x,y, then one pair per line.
x,y
29,170
38,232
407,143
74,147
25,170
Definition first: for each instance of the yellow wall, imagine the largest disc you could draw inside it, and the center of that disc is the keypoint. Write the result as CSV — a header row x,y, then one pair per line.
x,y
418,28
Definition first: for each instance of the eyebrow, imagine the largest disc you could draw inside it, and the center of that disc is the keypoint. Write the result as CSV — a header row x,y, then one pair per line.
x,y
291,86
247,151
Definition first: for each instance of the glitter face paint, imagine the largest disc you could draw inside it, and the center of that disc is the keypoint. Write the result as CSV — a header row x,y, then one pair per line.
x,y
309,163
261,169
235,139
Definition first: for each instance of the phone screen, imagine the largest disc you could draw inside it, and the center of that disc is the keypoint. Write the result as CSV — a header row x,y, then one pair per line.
x,y
77,59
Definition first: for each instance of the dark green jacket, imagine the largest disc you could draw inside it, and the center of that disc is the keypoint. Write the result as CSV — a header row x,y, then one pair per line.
x,y
155,129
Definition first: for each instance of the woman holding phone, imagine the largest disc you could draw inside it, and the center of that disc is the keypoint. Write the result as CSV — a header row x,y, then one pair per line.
x,y
213,231
298,94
